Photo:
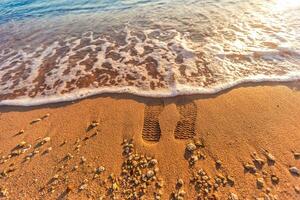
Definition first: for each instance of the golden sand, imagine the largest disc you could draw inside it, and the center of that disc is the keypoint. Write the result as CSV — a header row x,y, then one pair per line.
x,y
248,135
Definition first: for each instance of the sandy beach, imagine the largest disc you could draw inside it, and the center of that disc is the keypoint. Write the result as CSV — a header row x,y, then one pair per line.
x,y
150,100
243,143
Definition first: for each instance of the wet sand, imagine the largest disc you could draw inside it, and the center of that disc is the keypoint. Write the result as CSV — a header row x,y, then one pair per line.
x,y
240,138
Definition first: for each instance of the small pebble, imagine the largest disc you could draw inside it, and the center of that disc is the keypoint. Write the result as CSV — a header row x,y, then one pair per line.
x,y
83,186
179,183
44,140
205,178
216,186
159,184
269,156
233,196
77,147
3,192
193,159
68,156
45,116
94,134
250,167
153,162
20,132
259,161
202,156
218,163
21,144
92,125
115,187
274,179
294,170
83,159
150,174
35,120
297,189
99,170
52,189
48,150
198,142
63,143
230,180
68,189
297,155
265,173
260,182
55,176
191,147
36,152
181,193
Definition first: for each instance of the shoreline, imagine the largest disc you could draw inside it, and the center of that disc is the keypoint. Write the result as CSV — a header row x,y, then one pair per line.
x,y
295,84
232,126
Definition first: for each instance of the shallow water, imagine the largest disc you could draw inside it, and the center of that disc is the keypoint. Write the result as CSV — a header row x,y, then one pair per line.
x,y
54,51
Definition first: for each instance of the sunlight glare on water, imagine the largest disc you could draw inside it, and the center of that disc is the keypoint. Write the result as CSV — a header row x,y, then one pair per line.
x,y
286,4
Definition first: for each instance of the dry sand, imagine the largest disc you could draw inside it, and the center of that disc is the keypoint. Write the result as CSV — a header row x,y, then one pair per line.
x,y
232,125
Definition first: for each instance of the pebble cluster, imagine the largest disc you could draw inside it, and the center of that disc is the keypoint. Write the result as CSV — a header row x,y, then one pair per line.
x,y
202,183
206,187
3,192
138,176
179,192
193,151
20,149
40,119
257,168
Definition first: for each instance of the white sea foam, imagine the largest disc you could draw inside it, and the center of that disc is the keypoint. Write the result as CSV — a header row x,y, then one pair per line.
x,y
176,91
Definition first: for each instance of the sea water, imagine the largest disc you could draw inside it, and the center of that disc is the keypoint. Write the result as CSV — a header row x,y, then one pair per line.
x,y
62,50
